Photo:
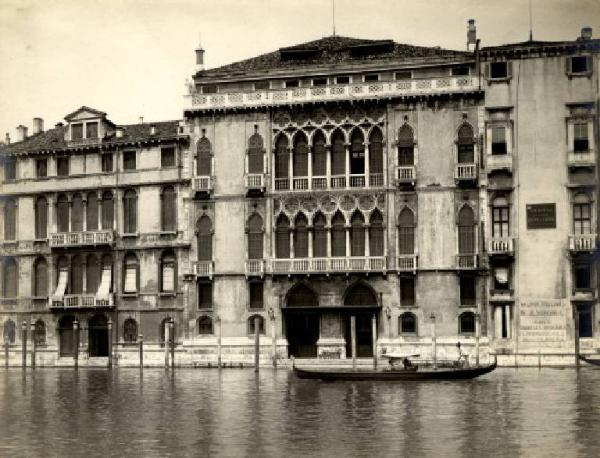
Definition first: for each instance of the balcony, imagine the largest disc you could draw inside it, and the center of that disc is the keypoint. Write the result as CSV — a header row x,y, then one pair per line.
x,y
307,183
72,301
498,162
502,295
203,269
581,159
465,172
501,246
202,184
255,267
362,91
406,263
87,238
255,182
406,175
583,295
584,242
329,265
466,261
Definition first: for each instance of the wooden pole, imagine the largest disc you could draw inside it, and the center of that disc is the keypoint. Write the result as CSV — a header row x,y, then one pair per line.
x,y
6,352
76,343
33,345
141,340
353,340
477,335
256,343
374,331
219,349
172,343
110,355
24,344
576,325
167,338
273,342
433,341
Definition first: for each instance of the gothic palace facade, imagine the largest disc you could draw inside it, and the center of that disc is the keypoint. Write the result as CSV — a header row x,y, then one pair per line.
x,y
421,190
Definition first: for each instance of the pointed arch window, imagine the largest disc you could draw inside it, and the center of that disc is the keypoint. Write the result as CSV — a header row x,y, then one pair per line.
x,y
41,218
255,154
406,146
357,234
130,212
204,235
108,210
466,145
360,294
376,151
500,217
40,278
282,237
357,152
319,157
376,234
91,215
320,236
406,232
301,236
282,157
92,274
255,237
466,231
338,153
582,214
302,296
130,331
300,155
168,209
130,273
338,235
9,278
252,325
204,157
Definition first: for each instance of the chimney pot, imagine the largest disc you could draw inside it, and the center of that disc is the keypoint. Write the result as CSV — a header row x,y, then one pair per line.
x,y
21,133
586,33
7,138
59,124
153,129
38,125
471,33
199,58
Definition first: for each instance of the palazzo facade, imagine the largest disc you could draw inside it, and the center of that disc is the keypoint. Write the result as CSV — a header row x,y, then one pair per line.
x,y
433,195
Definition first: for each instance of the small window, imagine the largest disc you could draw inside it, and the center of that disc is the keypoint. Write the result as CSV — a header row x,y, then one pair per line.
x,y
498,70
167,157
580,137
91,130
292,83
76,131
319,82
342,80
205,295
205,326
128,160
41,168
467,290
586,328
460,71
212,89
579,64
501,280
371,77
583,276
404,75
252,327
130,330
62,166
256,295
407,323
499,140
407,291
262,85
466,323
10,169
107,162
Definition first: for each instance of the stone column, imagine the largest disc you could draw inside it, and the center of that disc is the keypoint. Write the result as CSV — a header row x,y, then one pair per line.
x,y
84,216
367,168
310,242
347,165
291,168
309,167
367,245
348,250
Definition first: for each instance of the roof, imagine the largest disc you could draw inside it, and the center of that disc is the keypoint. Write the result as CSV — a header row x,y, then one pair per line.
x,y
54,139
84,108
333,50
541,45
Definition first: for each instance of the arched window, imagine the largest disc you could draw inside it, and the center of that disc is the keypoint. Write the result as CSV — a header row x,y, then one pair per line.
x,y
338,153
76,275
466,323
255,154
406,232
91,214
168,209
251,325
376,234
282,237
582,214
9,332
338,235
163,330
9,278
40,278
301,236
130,273
130,212
407,323
205,325
360,294
10,219
107,210
204,235
204,158
168,272
500,217
77,213
302,296
319,156
357,234
376,154
41,218
300,155
130,330
282,157
320,236
406,146
92,274
255,237
466,145
466,231
357,152
62,213
39,332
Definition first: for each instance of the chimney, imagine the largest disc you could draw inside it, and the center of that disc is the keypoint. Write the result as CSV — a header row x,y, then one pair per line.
x,y
586,33
141,120
59,124
153,129
7,139
199,58
119,132
21,133
471,33
38,125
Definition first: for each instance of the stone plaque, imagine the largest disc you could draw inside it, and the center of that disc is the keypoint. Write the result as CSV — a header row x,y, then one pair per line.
x,y
541,216
543,323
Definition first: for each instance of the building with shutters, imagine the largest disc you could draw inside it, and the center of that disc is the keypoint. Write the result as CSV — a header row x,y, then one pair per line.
x,y
430,194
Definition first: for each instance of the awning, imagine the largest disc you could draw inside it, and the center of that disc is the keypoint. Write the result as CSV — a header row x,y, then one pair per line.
x,y
63,277
340,309
104,288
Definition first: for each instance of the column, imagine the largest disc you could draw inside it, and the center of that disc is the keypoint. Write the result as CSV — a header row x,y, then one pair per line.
x,y
51,273
309,167
507,309
328,165
84,274
51,214
310,242
347,241
291,243
367,245
328,232
70,213
347,147
367,168
84,216
498,321
290,168
100,205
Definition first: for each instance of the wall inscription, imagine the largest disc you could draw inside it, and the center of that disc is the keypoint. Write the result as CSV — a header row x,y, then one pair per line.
x,y
543,323
541,216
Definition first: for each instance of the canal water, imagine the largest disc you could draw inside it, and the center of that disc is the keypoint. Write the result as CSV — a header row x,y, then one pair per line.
x,y
236,413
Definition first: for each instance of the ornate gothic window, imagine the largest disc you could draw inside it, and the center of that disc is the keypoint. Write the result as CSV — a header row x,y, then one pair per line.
x,y
466,145
204,235
338,153
255,153
320,236
300,155
319,157
357,234
376,151
406,146
282,157
282,237
357,152
406,232
466,231
301,236
338,235
255,237
376,234
204,157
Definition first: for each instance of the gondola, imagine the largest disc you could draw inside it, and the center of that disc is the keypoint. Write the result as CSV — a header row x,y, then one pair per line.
x,y
595,362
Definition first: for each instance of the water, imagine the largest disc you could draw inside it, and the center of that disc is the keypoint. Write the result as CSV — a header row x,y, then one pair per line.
x,y
233,412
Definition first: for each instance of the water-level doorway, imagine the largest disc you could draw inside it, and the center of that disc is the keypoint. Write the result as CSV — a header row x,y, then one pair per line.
x,y
98,336
302,322
362,300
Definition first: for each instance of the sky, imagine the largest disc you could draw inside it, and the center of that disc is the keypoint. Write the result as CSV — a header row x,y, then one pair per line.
x,y
131,58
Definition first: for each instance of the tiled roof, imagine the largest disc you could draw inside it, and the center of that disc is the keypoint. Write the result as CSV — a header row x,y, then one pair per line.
x,y
54,139
332,50
592,44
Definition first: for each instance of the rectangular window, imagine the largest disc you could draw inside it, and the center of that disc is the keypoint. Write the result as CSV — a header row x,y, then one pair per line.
x,y
167,157
579,64
467,290
212,89
585,320
582,219
91,130
205,300
168,277
583,276
342,80
41,168
580,137
62,166
500,222
406,240
262,86
76,131
130,285
128,160
10,169
256,295
404,75
107,162
501,278
498,70
460,71
407,291
292,84
371,77
319,82
499,140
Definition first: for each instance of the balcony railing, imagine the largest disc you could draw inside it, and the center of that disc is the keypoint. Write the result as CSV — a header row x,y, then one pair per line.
x,y
501,245
375,179
338,181
465,172
303,184
203,268
319,182
357,181
585,242
584,294
499,162
300,183
329,265
501,295
255,181
373,90
255,267
64,239
406,174
81,301
581,159
406,262
202,184
466,261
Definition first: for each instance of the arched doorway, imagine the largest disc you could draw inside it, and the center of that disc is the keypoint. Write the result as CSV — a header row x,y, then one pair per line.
x,y
66,336
301,323
357,296
98,336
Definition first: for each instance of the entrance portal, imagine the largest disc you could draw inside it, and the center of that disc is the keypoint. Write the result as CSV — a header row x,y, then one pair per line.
x,y
302,325
66,336
98,336
360,295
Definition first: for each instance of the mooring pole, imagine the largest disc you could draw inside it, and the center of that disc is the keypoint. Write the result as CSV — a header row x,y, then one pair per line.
x,y
167,333
374,331
576,326
110,344
433,341
172,343
33,345
353,340
256,343
218,320
477,335
6,351
24,343
273,337
76,343
141,341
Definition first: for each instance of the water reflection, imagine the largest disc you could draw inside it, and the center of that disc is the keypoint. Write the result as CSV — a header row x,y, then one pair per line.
x,y
524,412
